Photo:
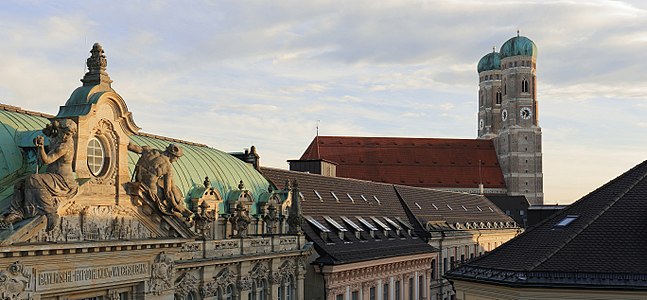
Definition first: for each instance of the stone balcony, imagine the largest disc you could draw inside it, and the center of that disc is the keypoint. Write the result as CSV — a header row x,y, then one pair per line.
x,y
250,246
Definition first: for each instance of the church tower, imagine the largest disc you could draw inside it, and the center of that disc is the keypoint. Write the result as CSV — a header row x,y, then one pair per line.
x,y
490,95
515,127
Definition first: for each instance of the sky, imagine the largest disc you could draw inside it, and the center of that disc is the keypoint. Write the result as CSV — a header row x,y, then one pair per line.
x,y
231,74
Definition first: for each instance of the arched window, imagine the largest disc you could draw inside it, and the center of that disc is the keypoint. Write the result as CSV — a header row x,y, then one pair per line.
x,y
505,88
287,289
258,290
524,85
481,98
189,296
498,97
229,293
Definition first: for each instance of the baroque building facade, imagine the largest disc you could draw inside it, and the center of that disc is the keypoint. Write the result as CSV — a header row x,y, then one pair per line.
x,y
99,210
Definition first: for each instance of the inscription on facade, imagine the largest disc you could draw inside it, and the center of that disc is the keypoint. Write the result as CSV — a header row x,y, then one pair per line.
x,y
90,275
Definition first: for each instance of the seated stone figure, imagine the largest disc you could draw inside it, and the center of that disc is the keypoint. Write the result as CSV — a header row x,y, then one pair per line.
x,y
155,174
41,194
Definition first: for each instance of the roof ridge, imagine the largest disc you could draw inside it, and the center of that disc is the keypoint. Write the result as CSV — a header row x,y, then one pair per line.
x,y
577,232
18,109
170,139
338,178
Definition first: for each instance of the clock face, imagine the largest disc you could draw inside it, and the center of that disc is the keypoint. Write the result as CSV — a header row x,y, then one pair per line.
x,y
525,113
504,114
481,124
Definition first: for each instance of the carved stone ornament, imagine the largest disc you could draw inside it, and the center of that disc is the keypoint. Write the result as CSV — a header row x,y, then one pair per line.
x,y
260,271
42,194
162,274
286,269
187,284
224,278
295,218
270,218
14,281
240,220
244,283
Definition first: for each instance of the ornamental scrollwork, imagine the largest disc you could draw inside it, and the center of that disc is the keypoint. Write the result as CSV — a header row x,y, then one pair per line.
x,y
14,281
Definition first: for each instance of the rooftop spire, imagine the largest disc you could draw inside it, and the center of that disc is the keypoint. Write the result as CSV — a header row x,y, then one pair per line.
x,y
96,68
517,32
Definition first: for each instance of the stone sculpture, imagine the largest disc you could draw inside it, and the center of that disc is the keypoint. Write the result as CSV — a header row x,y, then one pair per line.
x,y
295,218
42,194
240,220
155,174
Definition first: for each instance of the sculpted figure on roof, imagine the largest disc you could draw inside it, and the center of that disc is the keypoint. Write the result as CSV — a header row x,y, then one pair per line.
x,y
41,194
155,174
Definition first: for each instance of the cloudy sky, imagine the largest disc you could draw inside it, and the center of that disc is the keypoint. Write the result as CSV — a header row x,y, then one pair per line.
x,y
235,73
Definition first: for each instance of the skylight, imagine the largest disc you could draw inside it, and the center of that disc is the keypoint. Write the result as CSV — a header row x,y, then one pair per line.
x,y
302,197
384,226
316,223
352,224
492,210
393,223
363,198
335,224
318,196
418,205
479,208
334,196
568,220
351,198
406,224
450,208
464,208
366,223
378,200
434,205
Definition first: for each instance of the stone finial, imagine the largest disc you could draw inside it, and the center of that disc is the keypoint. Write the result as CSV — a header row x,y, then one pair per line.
x,y
207,182
241,185
295,218
96,63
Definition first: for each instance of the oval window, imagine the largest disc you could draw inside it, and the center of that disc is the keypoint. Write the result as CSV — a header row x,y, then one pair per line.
x,y
96,156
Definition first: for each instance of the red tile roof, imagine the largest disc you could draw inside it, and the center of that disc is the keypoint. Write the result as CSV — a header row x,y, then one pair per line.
x,y
422,162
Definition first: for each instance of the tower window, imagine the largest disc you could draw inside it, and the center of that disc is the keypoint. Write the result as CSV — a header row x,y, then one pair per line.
x,y
524,86
505,88
498,97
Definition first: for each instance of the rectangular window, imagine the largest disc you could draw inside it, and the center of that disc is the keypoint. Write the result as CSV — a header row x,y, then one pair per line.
x,y
451,262
354,295
421,286
411,295
433,269
397,290
462,258
444,265
385,291
340,297
371,294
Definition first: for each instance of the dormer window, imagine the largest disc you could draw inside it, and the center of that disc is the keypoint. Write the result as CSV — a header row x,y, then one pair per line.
x,y
372,229
358,229
381,224
341,230
323,230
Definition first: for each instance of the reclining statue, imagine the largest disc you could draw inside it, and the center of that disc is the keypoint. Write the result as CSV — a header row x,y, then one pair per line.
x,y
155,174
42,194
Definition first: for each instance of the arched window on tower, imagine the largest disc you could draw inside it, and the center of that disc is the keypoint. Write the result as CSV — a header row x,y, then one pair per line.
x,y
524,86
481,98
498,97
505,88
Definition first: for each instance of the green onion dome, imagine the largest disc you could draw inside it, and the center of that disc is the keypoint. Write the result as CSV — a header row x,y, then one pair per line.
x,y
491,61
518,45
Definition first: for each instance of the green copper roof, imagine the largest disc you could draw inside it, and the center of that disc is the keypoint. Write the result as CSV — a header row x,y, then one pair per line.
x,y
81,101
491,61
16,129
225,171
518,45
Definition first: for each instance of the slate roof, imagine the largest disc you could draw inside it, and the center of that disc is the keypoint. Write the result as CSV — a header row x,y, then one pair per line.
x,y
430,205
422,162
603,247
334,250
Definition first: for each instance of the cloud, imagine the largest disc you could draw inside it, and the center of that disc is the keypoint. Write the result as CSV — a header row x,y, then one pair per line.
x,y
231,73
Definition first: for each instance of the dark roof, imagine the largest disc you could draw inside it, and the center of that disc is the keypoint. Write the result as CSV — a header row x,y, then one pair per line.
x,y
430,205
333,250
513,204
604,245
422,162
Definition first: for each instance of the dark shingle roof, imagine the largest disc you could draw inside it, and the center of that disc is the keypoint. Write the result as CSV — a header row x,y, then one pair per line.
x,y
422,162
603,245
334,250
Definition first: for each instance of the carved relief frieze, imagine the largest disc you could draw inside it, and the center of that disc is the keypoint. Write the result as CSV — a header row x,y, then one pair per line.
x,y
94,223
259,271
14,281
162,274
